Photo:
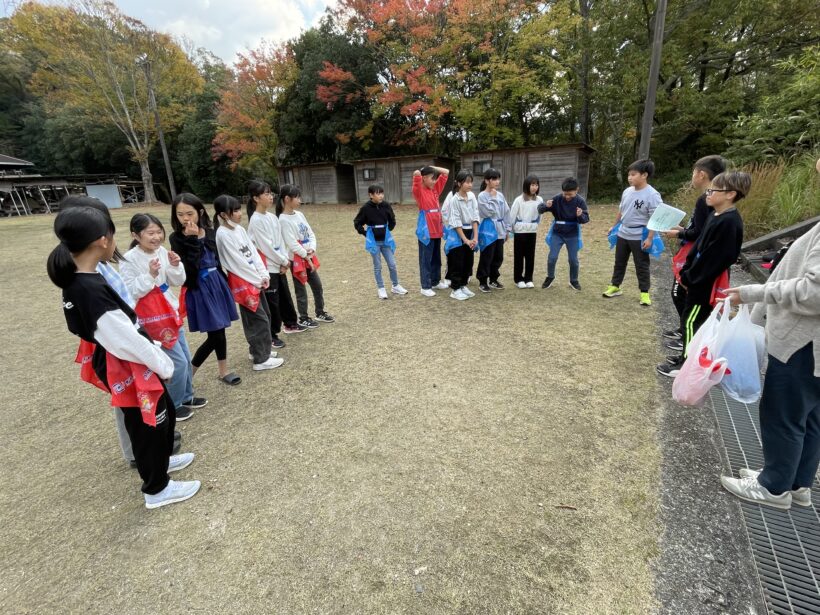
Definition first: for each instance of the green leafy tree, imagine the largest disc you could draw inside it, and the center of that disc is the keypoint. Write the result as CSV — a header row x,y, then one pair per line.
x,y
787,122
92,61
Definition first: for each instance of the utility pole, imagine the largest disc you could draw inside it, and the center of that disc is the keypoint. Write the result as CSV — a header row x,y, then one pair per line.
x,y
652,86
152,101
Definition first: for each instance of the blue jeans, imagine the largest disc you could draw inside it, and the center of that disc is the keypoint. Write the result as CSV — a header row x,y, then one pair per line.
x,y
180,387
790,422
430,263
571,242
391,265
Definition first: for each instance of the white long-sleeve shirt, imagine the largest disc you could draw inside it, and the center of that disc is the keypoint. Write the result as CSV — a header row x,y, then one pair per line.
x,y
524,214
135,271
239,255
265,232
119,336
297,234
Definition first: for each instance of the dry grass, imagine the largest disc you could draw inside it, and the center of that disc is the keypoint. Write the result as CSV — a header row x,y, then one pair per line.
x,y
411,457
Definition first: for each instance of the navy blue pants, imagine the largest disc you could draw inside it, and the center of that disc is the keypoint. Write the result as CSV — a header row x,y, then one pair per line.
x,y
790,423
430,263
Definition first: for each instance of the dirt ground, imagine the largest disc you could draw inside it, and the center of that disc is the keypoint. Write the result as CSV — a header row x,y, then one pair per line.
x,y
420,455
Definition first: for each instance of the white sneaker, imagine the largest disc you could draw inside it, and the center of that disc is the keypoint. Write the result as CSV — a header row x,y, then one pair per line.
x,y
382,294
179,462
801,497
398,289
752,491
175,491
271,363
467,291
443,285
522,285
458,295
273,355
428,292
530,285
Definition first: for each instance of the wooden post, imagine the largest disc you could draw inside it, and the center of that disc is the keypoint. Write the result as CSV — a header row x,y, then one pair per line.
x,y
652,86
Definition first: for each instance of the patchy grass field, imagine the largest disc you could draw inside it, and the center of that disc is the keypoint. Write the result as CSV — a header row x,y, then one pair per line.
x,y
497,455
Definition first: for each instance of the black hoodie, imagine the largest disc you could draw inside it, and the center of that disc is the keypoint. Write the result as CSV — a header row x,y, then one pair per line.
x,y
374,215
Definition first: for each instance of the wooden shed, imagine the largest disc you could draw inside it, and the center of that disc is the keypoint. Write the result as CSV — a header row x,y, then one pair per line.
x,y
396,175
322,182
551,163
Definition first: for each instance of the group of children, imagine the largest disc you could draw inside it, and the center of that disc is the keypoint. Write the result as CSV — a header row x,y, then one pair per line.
x,y
131,322
468,224
710,245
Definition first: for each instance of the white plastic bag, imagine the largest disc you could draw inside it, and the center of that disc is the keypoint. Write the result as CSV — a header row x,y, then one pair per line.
x,y
704,367
742,344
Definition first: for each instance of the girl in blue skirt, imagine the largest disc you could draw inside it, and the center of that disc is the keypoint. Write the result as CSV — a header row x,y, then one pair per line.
x,y
208,300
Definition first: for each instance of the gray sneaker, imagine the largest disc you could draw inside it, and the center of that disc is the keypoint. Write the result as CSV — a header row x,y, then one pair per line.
x,y
179,462
750,490
801,497
175,491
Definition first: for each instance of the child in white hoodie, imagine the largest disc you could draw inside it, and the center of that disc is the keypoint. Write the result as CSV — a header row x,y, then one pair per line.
x,y
525,218
247,277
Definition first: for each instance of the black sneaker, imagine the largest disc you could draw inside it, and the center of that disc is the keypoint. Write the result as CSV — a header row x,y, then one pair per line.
x,y
484,288
294,328
325,317
194,403
670,370
575,285
675,345
277,343
497,285
177,436
672,334
184,413
674,358
308,323
547,282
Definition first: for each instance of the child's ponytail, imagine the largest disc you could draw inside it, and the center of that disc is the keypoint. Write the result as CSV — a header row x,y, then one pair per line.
x,y
77,228
286,191
61,266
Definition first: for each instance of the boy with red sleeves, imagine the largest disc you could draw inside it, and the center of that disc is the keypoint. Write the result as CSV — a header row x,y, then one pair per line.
x,y
426,191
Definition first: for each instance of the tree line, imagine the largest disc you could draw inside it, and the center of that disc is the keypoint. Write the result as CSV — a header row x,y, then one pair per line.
x,y
395,77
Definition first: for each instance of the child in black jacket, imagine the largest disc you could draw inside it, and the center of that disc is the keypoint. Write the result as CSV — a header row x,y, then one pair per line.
x,y
377,217
703,172
717,248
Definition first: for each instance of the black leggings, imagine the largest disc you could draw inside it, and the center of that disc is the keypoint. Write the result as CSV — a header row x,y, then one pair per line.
x,y
216,342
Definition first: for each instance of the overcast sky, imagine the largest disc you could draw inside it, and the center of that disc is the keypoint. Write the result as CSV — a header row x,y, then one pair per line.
x,y
225,26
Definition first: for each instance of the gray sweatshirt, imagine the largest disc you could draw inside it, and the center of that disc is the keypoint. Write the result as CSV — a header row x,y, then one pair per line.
x,y
495,207
790,300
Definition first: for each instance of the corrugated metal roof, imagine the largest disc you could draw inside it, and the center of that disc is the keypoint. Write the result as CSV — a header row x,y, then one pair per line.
x,y
14,162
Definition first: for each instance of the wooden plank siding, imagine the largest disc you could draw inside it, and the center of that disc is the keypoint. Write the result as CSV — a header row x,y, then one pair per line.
x,y
552,164
322,183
